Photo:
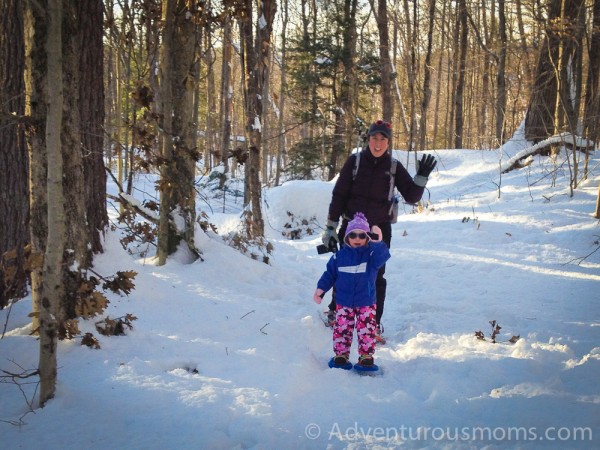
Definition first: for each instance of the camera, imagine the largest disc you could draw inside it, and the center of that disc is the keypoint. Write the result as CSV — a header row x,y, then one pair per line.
x,y
332,247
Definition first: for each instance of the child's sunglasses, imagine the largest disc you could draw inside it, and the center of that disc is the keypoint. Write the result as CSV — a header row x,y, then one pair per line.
x,y
353,235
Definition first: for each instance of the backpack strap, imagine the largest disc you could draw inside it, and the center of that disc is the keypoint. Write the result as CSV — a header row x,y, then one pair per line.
x,y
392,184
356,164
392,178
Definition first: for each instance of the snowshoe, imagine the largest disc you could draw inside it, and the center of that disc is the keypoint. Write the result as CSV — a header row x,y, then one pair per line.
x,y
340,362
366,365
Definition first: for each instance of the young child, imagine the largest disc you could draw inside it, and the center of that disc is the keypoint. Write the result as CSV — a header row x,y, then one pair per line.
x,y
353,271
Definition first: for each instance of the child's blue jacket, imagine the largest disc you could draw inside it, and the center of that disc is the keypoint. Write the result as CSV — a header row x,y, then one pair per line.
x,y
353,271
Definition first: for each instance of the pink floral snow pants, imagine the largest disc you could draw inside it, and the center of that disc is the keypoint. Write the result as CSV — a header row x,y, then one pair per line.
x,y
345,320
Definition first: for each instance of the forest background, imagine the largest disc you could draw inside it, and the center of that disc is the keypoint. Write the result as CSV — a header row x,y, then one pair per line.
x,y
267,91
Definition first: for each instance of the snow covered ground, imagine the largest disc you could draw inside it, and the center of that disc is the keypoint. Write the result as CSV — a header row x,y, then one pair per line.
x,y
229,353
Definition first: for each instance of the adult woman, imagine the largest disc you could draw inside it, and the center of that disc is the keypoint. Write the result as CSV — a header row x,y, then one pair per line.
x,y
366,187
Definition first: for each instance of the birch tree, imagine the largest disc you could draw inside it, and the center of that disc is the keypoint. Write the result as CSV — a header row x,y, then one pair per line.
x,y
53,291
35,30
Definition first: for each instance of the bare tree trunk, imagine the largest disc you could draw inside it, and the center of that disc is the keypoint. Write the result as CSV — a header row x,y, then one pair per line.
x,y
439,78
411,70
14,208
35,26
591,119
500,75
197,97
79,254
265,151
53,291
186,155
111,87
314,88
460,87
387,96
427,79
282,90
256,69
177,94
525,50
226,94
91,112
488,38
570,75
452,79
166,241
402,119
210,134
539,121
344,114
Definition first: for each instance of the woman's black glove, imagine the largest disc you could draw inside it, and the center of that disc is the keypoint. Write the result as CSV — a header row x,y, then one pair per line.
x,y
426,165
424,168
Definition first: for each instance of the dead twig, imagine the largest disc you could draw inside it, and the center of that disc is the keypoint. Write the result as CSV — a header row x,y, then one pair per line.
x,y
247,314
14,378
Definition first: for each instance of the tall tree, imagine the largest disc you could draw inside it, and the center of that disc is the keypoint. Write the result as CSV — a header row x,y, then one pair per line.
x,y
53,290
226,105
539,121
283,88
591,120
462,66
14,204
167,241
35,27
79,255
427,78
591,124
386,69
256,51
571,74
410,61
210,133
177,80
501,73
91,113
344,108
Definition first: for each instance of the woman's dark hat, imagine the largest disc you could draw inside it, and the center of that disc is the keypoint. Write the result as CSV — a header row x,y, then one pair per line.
x,y
382,127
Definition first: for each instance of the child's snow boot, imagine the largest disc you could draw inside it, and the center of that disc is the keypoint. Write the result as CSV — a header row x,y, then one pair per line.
x,y
341,360
366,361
